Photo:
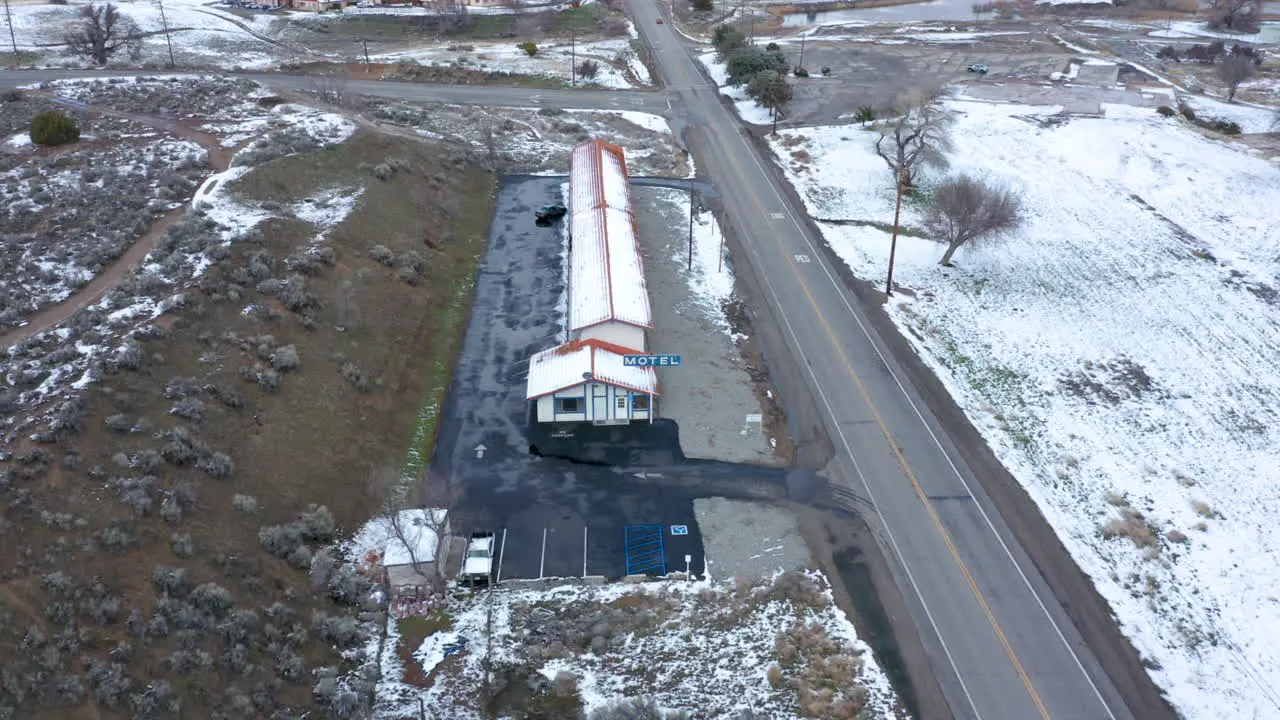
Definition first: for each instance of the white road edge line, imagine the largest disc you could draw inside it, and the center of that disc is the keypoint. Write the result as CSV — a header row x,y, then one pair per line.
x,y
584,551
919,415
871,496
542,563
502,552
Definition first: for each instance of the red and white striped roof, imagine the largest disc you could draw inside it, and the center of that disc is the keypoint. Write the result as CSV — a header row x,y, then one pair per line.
x,y
606,272
584,361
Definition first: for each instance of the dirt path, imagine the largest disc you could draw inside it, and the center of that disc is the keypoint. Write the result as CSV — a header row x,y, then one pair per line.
x,y
58,313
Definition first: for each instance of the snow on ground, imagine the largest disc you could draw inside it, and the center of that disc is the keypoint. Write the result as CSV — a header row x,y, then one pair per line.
x,y
328,208
1269,33
747,108
711,280
21,141
201,33
640,642
552,60
1251,118
1118,353
648,121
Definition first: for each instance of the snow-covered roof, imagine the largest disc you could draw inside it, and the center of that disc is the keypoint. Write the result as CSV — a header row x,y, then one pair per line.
x,y
606,274
587,361
598,177
416,525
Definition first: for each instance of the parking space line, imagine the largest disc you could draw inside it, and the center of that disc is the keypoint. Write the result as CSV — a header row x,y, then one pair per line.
x,y
502,551
542,563
584,551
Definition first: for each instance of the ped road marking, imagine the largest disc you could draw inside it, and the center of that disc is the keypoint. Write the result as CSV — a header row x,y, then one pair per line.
x,y
902,461
1013,658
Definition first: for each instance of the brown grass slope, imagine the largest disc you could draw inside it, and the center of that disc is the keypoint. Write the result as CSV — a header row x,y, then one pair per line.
x,y
136,576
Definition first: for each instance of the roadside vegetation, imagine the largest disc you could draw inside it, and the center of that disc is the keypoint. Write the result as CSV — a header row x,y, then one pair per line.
x,y
170,526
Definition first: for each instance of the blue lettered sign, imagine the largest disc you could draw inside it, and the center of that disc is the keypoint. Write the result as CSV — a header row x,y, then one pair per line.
x,y
658,360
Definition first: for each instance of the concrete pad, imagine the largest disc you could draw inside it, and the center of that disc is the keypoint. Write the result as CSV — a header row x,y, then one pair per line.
x,y
710,395
749,540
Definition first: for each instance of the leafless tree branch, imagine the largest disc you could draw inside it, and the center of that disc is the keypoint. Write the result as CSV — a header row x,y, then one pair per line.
x,y
919,136
966,209
103,32
1233,70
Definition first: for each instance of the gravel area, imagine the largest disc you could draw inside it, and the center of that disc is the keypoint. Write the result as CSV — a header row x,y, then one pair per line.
x,y
710,394
749,540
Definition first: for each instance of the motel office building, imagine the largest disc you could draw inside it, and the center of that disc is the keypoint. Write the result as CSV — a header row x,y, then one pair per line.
x,y
586,379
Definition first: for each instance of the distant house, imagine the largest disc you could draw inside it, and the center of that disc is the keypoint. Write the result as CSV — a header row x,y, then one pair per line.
x,y
417,540
586,380
320,5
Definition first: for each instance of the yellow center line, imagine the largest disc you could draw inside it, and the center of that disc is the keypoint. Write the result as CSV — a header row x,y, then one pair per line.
x,y
915,483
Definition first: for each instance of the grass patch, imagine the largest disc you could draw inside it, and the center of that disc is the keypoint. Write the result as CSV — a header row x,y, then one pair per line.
x,y
585,21
413,631
884,227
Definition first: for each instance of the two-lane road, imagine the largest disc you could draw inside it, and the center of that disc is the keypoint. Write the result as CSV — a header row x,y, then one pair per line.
x,y
1000,645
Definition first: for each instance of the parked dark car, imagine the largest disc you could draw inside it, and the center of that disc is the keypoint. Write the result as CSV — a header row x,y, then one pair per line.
x,y
550,213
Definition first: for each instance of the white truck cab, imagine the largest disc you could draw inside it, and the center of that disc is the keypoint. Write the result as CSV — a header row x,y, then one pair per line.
x,y
477,566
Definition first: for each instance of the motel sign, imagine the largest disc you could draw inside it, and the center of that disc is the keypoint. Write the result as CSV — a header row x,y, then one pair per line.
x,y
651,360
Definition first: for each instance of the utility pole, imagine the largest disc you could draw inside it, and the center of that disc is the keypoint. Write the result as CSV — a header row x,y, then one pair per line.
x,y
573,57
164,22
803,35
367,64
8,16
691,209
893,243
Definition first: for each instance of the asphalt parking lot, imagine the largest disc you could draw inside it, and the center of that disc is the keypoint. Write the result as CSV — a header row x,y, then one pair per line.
x,y
601,512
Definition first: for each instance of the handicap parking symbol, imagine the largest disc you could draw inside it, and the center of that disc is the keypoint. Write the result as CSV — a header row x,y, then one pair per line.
x,y
679,529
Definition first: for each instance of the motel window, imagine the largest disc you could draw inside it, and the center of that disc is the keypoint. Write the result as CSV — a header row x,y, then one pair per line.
x,y
639,402
568,405
622,402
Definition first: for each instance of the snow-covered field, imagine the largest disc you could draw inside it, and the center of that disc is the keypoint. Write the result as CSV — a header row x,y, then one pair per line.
x,y
703,647
1188,29
203,33
1251,118
1119,353
552,60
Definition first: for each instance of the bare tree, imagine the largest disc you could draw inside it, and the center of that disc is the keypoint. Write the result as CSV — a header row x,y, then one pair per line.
x,y
1233,70
410,528
966,209
452,14
329,88
1235,15
103,32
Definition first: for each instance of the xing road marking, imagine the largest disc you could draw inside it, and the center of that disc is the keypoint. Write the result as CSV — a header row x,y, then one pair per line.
x,y
946,537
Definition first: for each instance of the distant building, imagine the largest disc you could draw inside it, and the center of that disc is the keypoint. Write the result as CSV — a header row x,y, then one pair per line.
x,y
585,379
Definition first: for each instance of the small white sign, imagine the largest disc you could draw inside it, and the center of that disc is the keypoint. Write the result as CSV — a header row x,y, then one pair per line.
x,y
679,529
802,258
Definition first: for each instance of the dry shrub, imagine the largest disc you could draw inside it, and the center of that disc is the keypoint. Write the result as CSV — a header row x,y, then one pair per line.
x,y
1133,525
1177,536
775,677
1203,509
1117,499
800,155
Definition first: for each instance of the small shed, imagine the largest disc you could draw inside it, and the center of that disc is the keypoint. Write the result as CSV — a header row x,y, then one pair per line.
x,y
414,536
588,381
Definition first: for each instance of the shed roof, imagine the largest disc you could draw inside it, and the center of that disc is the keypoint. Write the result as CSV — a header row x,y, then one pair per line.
x,y
417,525
583,361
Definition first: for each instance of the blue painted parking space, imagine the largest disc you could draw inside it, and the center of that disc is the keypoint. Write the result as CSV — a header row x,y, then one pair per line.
x,y
645,553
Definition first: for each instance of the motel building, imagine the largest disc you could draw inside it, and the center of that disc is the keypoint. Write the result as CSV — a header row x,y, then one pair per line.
x,y
588,378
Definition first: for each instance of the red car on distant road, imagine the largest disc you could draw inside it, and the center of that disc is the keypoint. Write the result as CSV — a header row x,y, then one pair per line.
x,y
659,21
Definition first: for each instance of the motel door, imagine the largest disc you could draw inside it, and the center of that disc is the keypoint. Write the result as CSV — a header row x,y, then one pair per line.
x,y
600,402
